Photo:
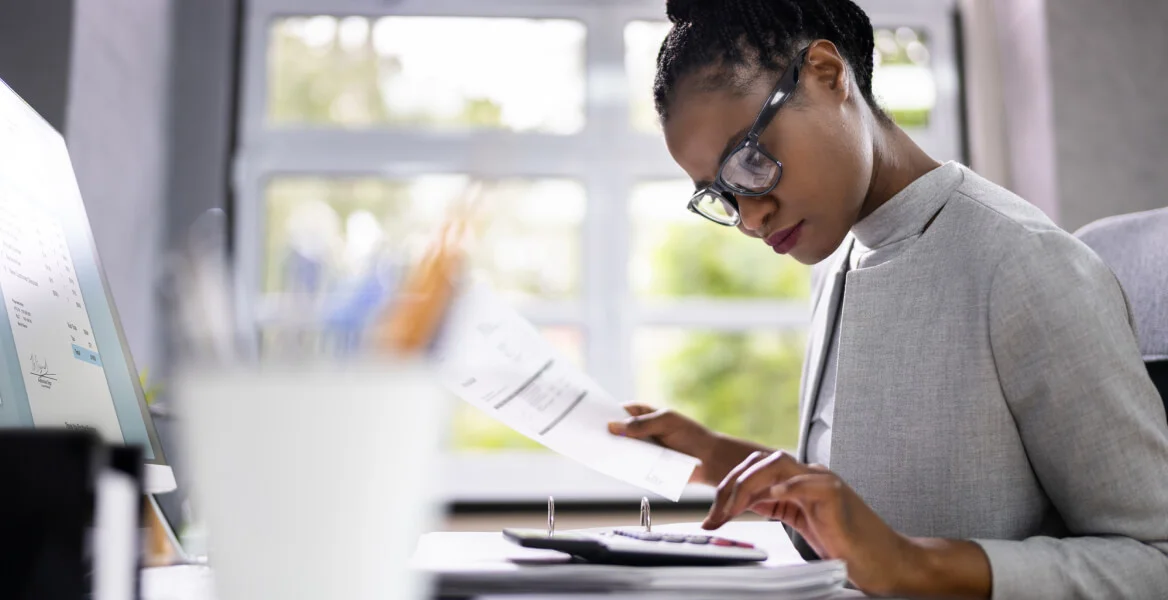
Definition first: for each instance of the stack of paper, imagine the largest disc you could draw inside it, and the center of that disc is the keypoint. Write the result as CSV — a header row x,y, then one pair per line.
x,y
465,564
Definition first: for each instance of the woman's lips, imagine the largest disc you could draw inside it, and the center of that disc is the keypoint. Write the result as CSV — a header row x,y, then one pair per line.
x,y
784,240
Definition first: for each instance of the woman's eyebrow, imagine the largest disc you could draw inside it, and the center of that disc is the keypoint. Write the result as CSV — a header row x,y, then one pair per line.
x,y
731,143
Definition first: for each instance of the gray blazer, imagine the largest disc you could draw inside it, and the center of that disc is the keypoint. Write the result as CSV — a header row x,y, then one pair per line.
x,y
990,388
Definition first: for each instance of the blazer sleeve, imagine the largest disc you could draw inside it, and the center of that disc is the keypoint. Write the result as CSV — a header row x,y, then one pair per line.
x,y
1092,424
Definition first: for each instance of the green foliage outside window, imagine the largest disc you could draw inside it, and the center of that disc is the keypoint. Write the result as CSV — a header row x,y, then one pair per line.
x,y
744,384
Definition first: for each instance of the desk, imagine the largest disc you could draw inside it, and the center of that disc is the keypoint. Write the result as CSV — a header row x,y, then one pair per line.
x,y
460,552
844,595
180,582
196,583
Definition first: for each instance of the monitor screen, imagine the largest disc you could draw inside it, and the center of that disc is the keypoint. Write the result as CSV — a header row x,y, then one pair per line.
x,y
63,357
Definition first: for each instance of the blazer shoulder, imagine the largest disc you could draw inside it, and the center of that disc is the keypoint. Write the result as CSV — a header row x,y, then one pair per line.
x,y
1000,207
997,224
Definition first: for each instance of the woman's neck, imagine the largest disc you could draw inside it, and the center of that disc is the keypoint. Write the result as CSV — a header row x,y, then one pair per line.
x,y
896,162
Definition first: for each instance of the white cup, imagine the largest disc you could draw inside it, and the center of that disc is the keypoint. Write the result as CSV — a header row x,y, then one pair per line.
x,y
314,481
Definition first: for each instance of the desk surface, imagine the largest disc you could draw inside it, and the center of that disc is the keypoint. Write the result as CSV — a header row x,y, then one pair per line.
x,y
195,583
843,595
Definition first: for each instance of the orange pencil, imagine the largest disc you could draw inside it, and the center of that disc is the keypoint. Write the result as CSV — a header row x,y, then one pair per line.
x,y
423,300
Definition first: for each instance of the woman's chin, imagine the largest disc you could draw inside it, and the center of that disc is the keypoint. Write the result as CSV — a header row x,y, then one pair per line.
x,y
811,249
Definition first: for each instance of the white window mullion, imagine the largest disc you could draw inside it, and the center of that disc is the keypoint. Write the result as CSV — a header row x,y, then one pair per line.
x,y
605,235
724,315
396,153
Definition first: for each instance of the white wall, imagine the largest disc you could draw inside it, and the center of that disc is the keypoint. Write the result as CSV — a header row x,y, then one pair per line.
x,y
1109,75
1026,94
1084,94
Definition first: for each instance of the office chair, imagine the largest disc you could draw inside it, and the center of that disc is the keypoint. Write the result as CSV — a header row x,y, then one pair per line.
x,y
1158,369
1134,247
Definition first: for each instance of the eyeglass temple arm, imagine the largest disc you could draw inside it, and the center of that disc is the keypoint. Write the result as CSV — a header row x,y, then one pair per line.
x,y
782,90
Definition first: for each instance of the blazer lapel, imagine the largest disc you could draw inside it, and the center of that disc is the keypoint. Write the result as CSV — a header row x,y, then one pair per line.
x,y
822,319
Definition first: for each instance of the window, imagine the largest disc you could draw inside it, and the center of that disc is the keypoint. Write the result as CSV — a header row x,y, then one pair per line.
x,y
677,255
642,42
340,225
901,79
361,121
404,71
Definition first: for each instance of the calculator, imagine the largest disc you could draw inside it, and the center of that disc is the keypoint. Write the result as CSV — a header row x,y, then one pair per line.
x,y
640,548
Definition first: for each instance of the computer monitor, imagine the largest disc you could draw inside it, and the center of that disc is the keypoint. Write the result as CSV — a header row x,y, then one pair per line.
x,y
64,361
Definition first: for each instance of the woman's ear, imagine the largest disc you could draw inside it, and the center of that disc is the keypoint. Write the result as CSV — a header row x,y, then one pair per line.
x,y
826,71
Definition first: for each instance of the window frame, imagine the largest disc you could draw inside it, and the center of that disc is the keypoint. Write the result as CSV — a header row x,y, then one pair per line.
x,y
608,157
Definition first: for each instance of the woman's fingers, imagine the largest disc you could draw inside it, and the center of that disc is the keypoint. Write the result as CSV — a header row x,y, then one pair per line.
x,y
796,500
637,410
818,499
644,421
814,494
787,512
725,489
749,483
645,425
634,410
755,483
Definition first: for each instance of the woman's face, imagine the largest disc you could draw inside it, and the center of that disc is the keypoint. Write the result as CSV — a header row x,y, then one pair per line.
x,y
820,136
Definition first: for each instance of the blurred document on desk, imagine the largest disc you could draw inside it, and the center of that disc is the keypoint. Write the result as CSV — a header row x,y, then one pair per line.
x,y
493,358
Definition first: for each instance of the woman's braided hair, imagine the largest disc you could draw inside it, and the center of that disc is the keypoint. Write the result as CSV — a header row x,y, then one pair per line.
x,y
739,37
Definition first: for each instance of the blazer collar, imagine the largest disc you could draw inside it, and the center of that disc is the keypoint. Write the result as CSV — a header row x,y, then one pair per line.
x,y
907,213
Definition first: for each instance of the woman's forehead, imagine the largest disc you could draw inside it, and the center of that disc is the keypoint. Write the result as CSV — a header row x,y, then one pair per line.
x,y
702,123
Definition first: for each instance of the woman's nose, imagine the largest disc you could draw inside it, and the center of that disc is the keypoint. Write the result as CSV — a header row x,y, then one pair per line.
x,y
755,212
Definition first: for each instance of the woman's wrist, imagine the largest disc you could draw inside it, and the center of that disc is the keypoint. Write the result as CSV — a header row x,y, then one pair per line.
x,y
944,568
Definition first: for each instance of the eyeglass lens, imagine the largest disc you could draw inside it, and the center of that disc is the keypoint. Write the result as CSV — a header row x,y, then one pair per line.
x,y
714,207
749,170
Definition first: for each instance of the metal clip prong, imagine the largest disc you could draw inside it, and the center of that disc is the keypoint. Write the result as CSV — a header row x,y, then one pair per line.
x,y
551,516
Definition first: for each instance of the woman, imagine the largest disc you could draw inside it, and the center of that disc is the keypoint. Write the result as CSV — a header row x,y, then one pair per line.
x,y
976,419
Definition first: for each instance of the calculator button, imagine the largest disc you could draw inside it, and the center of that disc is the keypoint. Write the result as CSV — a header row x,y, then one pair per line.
x,y
722,542
743,545
649,537
698,539
676,539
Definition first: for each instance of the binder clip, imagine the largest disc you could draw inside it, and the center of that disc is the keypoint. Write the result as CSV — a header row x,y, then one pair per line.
x,y
646,520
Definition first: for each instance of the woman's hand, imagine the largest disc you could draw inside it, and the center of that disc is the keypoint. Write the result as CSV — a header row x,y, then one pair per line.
x,y
717,453
837,523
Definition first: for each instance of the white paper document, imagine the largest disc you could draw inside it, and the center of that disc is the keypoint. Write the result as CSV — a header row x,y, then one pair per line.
x,y
493,358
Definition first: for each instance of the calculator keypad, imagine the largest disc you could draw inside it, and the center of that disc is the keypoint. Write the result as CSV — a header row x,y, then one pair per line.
x,y
646,536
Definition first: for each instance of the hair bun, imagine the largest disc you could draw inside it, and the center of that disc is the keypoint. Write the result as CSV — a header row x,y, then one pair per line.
x,y
683,11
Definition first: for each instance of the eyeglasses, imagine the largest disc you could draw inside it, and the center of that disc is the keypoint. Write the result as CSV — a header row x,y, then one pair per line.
x,y
748,170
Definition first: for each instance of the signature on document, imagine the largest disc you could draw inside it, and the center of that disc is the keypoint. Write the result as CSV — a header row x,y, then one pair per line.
x,y
40,370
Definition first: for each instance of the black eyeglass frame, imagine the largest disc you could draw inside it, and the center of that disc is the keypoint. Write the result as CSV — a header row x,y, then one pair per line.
x,y
724,189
